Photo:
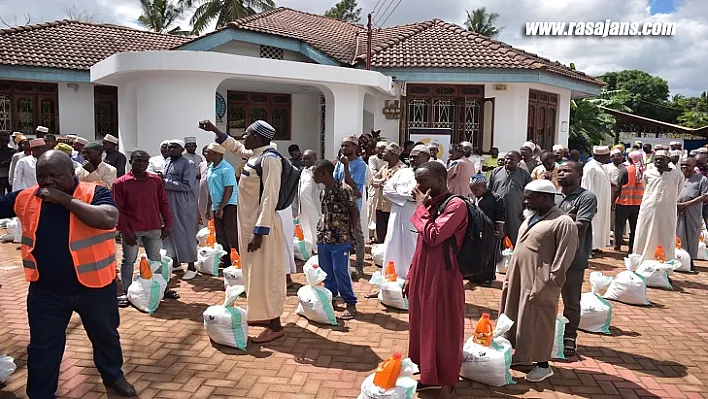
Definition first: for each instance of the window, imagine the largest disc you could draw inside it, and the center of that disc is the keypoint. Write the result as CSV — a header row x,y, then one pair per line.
x,y
25,105
105,109
541,121
244,108
274,53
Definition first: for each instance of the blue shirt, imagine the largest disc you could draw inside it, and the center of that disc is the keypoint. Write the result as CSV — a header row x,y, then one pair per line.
x,y
357,170
51,249
219,177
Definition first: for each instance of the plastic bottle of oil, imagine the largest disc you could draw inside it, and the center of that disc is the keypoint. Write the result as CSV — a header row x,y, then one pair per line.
x,y
235,258
484,332
391,272
211,238
659,254
145,271
387,373
678,242
299,233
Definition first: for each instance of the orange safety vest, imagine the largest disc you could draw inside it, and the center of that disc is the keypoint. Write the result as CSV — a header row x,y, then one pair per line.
x,y
93,250
633,191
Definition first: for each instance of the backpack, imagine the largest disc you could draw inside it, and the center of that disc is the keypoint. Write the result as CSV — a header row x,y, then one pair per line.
x,y
289,179
479,244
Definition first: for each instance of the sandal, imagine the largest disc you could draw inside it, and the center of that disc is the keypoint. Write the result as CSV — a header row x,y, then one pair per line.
x,y
375,295
123,301
171,294
570,348
348,313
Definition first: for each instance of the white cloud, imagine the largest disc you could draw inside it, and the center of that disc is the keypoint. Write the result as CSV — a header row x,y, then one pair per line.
x,y
677,59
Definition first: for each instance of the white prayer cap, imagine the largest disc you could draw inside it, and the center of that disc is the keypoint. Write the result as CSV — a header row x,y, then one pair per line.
x,y
600,150
661,153
675,143
190,140
466,144
541,186
81,140
421,148
37,143
558,147
381,144
165,142
615,151
216,148
72,136
42,129
263,129
15,134
176,142
530,145
434,145
350,139
111,139
676,153
702,150
394,148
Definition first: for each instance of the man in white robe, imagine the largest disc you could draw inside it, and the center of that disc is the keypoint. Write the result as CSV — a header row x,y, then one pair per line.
x,y
596,180
656,224
309,195
26,168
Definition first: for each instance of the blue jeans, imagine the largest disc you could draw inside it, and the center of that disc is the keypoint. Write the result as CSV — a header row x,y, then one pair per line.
x,y
49,313
334,260
152,243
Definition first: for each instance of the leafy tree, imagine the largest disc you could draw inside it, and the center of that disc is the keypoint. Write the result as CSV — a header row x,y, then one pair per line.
x,y
483,23
222,11
647,95
694,110
589,123
345,10
160,16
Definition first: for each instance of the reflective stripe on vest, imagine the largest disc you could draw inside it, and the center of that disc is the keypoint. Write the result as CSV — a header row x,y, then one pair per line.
x,y
92,250
633,191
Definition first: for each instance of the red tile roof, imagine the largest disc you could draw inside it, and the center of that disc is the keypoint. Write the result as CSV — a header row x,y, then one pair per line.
x,y
75,45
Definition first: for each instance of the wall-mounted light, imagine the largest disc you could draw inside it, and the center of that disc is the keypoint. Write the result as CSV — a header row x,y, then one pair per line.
x,y
74,86
564,126
392,109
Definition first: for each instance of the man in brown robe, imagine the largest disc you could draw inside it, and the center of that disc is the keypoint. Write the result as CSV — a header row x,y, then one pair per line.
x,y
546,246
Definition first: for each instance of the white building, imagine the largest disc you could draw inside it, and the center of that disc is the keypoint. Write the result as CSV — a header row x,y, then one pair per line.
x,y
305,74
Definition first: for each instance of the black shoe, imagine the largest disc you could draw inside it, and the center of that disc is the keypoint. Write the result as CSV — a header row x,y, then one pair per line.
x,y
122,387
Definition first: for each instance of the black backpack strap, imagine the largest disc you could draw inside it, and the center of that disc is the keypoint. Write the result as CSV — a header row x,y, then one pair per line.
x,y
450,242
258,167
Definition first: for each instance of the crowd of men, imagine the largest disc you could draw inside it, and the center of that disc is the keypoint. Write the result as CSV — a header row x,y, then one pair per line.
x,y
555,209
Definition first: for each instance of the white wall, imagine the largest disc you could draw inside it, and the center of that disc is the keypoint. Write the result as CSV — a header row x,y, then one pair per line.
x,y
254,50
76,110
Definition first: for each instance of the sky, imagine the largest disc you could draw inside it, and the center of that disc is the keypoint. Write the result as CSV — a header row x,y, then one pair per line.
x,y
678,59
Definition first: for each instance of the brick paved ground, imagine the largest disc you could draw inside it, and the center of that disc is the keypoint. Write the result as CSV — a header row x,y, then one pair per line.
x,y
659,351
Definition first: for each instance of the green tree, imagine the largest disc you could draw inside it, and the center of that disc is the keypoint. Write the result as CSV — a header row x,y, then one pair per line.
x,y
483,23
160,16
589,123
345,10
647,95
222,11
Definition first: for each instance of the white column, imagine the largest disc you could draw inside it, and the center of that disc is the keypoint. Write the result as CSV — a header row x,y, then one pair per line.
x,y
127,118
563,120
345,107
170,104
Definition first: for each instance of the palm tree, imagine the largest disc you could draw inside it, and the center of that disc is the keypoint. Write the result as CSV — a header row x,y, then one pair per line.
x,y
483,23
589,123
222,11
160,16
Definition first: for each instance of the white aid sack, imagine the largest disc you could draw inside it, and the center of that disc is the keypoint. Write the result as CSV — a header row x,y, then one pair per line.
x,y
405,385
595,312
377,252
303,249
226,324
315,301
4,222
165,269
146,294
391,293
656,274
7,367
208,259
233,276
682,260
628,287
503,264
558,347
489,365
202,236
14,231
702,251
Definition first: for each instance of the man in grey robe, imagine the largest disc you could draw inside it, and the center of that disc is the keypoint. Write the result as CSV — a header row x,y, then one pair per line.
x,y
180,180
690,207
509,181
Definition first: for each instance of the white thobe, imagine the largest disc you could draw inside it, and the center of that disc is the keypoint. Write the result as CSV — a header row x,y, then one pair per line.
x,y
25,173
365,199
477,161
288,233
13,165
157,164
656,224
310,205
401,236
612,171
104,175
596,181
376,163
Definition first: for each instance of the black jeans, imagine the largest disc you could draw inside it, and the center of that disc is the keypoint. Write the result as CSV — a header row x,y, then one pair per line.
x,y
49,313
622,214
226,229
572,289
5,185
381,225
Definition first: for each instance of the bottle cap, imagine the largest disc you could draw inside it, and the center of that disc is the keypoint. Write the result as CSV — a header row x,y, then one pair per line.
x,y
315,266
485,315
397,356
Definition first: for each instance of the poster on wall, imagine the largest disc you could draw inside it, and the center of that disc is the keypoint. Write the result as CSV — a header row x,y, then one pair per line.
x,y
441,137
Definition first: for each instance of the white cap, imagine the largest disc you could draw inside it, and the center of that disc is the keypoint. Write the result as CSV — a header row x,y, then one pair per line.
x,y
600,150
71,136
530,145
111,139
190,140
177,142
558,147
81,140
37,143
216,148
42,129
541,186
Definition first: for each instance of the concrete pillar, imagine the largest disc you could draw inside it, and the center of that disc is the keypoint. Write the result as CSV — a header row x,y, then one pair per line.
x,y
344,115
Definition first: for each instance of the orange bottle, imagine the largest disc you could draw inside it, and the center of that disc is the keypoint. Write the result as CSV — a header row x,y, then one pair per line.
x,y
659,254
235,258
391,272
507,243
387,373
145,271
211,238
678,242
484,332
298,233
